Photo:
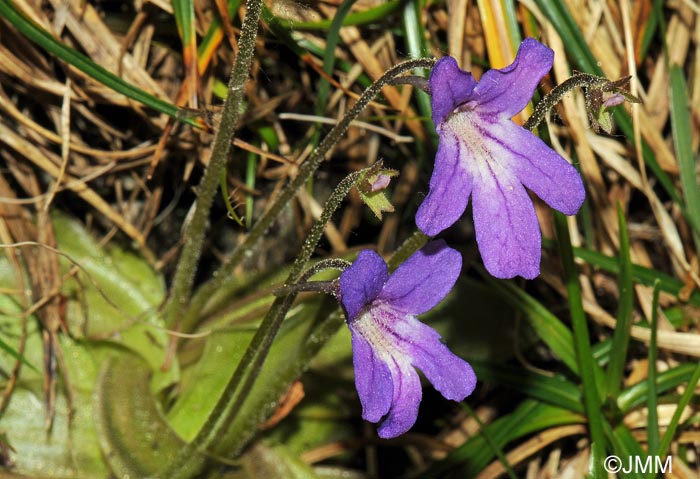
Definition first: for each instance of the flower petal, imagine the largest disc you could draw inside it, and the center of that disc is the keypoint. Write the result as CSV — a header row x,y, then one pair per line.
x,y
507,231
362,282
448,373
506,91
423,280
450,187
537,166
450,86
405,401
372,379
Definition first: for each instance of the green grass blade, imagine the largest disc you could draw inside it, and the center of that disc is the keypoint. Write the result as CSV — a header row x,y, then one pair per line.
x,y
15,354
601,352
510,14
547,326
185,21
417,48
682,141
582,343
563,22
42,38
657,16
652,416
621,335
495,448
682,403
637,394
332,39
623,442
251,167
214,34
556,391
371,15
654,24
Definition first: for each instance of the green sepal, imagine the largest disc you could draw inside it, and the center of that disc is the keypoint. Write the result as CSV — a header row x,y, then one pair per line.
x,y
372,185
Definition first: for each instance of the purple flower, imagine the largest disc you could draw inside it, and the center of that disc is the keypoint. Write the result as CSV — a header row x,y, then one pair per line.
x,y
388,342
485,154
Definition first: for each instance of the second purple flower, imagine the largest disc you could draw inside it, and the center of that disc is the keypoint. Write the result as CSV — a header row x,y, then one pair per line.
x,y
388,342
484,154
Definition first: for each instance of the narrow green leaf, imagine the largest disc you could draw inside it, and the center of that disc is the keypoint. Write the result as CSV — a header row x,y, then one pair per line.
x,y
621,335
417,48
251,167
495,448
680,406
652,415
593,460
15,354
332,39
650,29
212,37
682,141
623,442
656,17
511,14
637,394
42,38
184,19
566,27
371,15
582,343
556,390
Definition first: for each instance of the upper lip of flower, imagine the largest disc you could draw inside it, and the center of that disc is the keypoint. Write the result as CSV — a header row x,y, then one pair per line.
x,y
388,341
492,158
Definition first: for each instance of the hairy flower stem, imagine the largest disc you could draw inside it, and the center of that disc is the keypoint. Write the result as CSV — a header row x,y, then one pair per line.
x,y
412,244
553,97
328,287
303,285
324,264
305,172
191,458
230,117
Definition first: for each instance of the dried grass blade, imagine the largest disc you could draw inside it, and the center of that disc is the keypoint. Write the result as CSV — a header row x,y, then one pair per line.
x,y
83,63
33,154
